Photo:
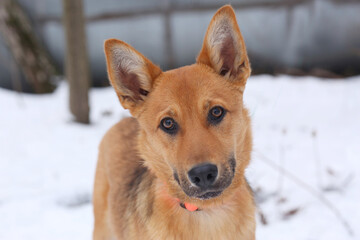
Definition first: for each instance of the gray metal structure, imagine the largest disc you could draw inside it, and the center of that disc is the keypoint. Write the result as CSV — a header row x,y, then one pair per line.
x,y
280,34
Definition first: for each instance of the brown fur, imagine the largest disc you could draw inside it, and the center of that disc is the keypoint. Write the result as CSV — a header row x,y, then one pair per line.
x,y
142,170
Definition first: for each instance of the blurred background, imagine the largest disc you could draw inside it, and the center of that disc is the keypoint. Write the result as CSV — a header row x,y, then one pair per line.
x,y
56,104
301,37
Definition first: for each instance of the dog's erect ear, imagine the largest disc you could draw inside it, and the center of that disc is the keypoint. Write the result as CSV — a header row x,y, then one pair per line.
x,y
131,74
224,48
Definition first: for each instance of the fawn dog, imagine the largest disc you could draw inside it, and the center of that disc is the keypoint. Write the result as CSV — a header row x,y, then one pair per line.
x,y
176,169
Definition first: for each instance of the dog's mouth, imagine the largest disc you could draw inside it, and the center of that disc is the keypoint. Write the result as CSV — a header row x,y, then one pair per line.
x,y
210,195
204,194
214,192
223,181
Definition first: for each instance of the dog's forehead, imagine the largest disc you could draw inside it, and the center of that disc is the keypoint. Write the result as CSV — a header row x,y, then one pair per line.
x,y
190,89
191,82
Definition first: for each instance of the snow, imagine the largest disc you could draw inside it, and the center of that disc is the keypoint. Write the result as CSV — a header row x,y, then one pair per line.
x,y
308,126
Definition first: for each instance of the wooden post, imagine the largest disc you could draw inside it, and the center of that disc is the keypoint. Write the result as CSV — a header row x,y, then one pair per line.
x,y
76,61
26,49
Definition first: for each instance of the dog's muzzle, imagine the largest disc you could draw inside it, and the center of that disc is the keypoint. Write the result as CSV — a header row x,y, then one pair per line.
x,y
204,181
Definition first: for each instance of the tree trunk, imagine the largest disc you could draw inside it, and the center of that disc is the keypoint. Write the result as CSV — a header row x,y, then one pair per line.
x,y
76,64
27,50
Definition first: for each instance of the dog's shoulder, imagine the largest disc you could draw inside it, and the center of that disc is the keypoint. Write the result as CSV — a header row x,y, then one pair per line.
x,y
119,147
122,133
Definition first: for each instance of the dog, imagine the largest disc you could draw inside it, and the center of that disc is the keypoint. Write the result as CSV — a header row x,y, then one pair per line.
x,y
175,169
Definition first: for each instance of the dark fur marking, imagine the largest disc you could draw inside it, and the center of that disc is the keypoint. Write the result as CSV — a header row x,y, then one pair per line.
x,y
223,71
141,182
146,186
143,92
133,185
150,205
232,164
176,177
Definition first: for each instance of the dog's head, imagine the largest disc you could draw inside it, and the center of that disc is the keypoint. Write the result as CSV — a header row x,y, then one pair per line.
x,y
194,132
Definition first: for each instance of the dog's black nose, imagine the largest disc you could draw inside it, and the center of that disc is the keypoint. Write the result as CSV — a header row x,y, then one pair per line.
x,y
204,175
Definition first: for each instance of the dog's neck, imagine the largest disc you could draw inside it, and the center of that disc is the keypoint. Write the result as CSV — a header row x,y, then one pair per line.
x,y
162,193
210,219
165,193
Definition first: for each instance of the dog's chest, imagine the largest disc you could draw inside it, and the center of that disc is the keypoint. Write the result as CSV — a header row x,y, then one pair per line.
x,y
220,224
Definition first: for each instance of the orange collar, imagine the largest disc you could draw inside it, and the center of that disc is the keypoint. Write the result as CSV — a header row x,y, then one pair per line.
x,y
188,206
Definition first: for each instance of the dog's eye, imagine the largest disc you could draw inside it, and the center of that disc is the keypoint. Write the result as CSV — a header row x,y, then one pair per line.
x,y
216,114
168,125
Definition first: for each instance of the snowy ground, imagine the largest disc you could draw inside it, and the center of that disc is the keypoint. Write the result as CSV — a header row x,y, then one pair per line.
x,y
310,127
